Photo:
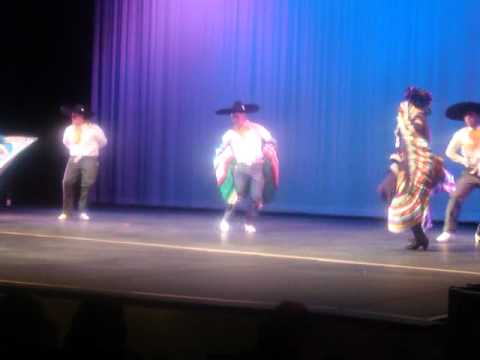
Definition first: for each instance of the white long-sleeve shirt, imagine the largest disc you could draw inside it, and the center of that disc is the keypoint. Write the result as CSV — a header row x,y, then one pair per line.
x,y
247,147
91,140
464,147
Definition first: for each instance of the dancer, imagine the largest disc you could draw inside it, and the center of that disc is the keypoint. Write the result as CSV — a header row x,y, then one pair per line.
x,y
464,148
418,169
83,140
246,165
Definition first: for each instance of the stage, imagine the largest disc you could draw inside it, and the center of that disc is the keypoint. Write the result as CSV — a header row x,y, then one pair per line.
x,y
350,266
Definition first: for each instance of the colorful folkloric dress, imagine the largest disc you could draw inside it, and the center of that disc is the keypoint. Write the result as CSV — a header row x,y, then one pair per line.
x,y
420,173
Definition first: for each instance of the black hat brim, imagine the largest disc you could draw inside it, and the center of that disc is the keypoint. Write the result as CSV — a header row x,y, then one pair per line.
x,y
249,108
67,111
459,110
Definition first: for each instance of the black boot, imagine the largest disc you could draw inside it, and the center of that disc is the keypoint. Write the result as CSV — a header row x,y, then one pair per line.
x,y
420,240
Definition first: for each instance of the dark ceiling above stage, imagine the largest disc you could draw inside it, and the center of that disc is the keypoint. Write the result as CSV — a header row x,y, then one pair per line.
x,y
47,58
45,61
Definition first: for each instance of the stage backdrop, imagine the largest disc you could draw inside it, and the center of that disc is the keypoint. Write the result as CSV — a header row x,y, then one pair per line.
x,y
327,74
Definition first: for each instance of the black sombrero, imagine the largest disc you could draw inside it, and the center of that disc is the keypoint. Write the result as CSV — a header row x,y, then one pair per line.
x,y
239,107
76,109
459,110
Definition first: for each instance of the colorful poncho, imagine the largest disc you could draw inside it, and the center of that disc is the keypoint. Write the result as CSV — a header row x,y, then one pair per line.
x,y
224,163
421,173
10,147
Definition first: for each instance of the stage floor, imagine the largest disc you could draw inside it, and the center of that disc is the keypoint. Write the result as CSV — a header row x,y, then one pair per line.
x,y
329,264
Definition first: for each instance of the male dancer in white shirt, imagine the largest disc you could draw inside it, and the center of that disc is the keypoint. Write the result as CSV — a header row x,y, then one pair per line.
x,y
464,148
83,140
246,140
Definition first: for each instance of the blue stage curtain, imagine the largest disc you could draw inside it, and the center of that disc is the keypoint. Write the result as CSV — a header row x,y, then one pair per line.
x,y
328,75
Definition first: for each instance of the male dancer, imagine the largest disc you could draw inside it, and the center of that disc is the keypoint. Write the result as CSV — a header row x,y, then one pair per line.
x,y
83,140
464,148
246,164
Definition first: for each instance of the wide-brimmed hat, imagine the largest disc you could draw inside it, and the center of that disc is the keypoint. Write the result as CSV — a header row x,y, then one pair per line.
x,y
76,109
239,107
420,98
459,110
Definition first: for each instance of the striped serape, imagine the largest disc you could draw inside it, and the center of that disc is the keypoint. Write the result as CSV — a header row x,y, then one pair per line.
x,y
224,163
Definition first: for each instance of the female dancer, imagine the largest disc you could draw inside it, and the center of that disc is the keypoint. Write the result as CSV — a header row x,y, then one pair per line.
x,y
418,170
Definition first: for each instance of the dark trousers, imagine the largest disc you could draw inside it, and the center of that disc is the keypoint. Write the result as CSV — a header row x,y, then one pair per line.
x,y
249,183
84,171
464,186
